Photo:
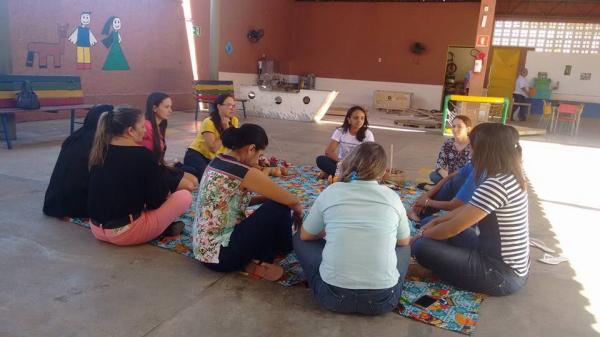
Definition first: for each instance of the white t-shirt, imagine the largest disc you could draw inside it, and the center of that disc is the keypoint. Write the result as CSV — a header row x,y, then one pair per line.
x,y
521,83
348,142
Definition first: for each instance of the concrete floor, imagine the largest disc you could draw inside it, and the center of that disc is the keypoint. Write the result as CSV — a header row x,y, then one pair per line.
x,y
57,280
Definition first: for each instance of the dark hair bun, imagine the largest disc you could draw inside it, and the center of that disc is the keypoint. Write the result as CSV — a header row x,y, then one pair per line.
x,y
230,138
248,134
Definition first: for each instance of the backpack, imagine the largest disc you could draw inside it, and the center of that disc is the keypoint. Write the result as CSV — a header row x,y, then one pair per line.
x,y
26,98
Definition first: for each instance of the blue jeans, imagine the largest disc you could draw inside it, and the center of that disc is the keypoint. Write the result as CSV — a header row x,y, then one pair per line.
x,y
435,177
194,163
326,165
446,193
361,301
459,262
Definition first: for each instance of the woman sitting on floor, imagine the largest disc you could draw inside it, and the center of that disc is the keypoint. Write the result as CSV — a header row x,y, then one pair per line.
x,y
224,238
67,192
129,201
451,192
354,131
158,110
208,141
353,245
495,262
455,152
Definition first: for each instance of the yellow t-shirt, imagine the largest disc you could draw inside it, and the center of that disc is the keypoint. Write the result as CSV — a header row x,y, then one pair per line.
x,y
209,126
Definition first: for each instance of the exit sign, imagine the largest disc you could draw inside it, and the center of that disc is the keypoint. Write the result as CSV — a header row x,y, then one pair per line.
x,y
482,41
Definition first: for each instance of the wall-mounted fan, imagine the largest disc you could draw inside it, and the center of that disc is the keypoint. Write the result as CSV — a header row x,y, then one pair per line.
x,y
255,35
417,48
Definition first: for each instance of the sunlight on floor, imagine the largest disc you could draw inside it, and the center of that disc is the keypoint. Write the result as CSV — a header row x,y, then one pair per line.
x,y
565,179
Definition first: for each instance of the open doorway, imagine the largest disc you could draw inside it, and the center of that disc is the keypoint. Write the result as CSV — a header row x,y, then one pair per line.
x,y
458,64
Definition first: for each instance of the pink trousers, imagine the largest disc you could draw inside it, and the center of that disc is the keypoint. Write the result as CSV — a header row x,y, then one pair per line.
x,y
149,225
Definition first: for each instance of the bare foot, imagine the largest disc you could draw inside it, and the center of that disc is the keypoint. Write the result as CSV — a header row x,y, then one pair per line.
x,y
411,214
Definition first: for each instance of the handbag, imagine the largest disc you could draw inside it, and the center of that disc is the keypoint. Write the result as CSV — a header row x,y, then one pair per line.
x,y
26,98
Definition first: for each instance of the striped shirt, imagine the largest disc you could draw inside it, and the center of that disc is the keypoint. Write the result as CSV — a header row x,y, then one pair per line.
x,y
504,232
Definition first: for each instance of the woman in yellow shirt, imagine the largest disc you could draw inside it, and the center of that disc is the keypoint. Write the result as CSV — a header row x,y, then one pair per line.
x,y
207,143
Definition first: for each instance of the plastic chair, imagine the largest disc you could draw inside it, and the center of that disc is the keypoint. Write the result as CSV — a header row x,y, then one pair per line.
x,y
547,117
569,113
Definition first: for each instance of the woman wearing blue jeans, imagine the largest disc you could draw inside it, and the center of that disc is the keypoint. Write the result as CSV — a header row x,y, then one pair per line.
x,y
495,261
353,245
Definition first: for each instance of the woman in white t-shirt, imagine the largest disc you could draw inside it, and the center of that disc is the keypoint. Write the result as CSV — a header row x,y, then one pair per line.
x,y
353,132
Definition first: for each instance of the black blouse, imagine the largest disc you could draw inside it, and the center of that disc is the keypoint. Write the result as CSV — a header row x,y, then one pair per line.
x,y
129,181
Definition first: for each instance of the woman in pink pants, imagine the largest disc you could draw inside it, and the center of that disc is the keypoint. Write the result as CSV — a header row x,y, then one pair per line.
x,y
129,201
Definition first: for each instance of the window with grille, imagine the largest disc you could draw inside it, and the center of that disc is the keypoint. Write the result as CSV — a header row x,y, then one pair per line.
x,y
552,37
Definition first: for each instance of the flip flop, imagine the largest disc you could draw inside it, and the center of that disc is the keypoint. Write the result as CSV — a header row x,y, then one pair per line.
x,y
541,245
549,259
267,271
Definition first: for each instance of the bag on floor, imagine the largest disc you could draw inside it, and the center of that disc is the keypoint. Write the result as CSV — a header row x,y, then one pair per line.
x,y
26,98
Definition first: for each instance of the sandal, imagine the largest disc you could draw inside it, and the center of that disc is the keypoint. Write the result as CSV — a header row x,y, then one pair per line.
x,y
541,245
267,271
549,259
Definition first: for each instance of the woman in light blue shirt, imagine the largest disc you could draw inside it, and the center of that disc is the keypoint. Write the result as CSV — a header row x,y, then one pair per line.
x,y
353,245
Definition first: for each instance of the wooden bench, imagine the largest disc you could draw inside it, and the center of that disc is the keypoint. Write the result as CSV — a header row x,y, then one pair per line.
x,y
206,91
55,93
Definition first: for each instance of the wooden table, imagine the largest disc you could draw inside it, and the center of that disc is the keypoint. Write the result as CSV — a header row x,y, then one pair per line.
x,y
5,112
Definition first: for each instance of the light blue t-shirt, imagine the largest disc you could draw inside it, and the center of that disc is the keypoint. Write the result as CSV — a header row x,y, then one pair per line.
x,y
362,222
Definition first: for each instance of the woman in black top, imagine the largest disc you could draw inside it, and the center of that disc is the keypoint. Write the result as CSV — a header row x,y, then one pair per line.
x,y
67,192
129,201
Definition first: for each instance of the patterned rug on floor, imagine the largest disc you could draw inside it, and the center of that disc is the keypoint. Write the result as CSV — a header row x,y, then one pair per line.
x,y
456,311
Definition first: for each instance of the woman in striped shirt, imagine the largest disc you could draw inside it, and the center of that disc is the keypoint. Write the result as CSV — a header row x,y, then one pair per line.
x,y
495,261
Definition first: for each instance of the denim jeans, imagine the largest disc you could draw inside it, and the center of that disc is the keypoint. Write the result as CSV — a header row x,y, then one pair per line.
x,y
435,177
459,262
326,165
194,163
446,193
360,301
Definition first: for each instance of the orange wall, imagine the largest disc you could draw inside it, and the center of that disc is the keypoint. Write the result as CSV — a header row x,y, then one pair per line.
x,y
240,16
153,41
345,40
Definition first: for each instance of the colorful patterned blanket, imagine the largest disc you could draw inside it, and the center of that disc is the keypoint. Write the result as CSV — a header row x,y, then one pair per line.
x,y
457,310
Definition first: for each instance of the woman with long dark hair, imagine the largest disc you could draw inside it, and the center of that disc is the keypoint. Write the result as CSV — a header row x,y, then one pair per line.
x,y
361,266
495,261
67,191
208,144
129,201
158,109
353,132
224,238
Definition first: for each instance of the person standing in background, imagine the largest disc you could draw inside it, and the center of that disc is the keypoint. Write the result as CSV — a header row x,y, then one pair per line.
x,y
520,95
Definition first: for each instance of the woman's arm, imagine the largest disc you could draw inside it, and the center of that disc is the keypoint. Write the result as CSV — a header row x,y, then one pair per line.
x,y
259,183
212,142
460,220
306,236
331,150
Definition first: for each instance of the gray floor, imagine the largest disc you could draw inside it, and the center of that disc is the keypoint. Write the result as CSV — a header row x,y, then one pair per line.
x,y
57,280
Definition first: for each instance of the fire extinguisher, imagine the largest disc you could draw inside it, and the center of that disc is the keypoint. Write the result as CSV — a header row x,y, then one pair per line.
x,y
479,62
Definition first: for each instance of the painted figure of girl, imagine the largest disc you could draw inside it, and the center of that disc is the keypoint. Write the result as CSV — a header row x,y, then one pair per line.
x,y
115,60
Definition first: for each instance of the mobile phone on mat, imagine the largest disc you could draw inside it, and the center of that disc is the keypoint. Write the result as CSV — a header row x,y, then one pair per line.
x,y
425,301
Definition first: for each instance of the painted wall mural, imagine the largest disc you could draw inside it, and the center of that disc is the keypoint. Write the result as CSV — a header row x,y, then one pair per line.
x,y
84,39
48,49
115,60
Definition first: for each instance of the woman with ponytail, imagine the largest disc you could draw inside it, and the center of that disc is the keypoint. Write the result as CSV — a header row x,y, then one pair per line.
x,y
158,109
208,143
224,238
361,266
129,201
494,261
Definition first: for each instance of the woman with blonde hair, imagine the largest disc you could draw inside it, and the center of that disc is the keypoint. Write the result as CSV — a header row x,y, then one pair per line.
x,y
353,245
